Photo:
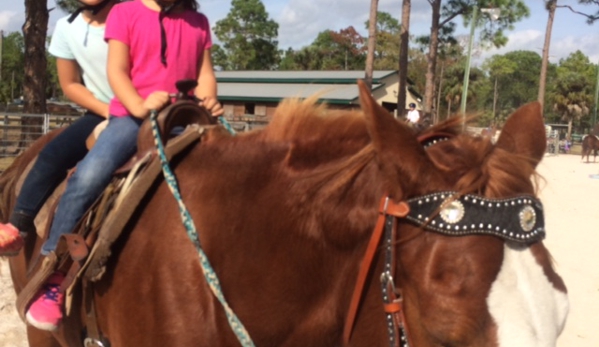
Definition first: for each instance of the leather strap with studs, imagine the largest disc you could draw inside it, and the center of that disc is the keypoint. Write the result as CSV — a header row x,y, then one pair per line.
x,y
519,219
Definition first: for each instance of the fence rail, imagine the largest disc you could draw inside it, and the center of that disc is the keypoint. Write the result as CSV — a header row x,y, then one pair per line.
x,y
18,131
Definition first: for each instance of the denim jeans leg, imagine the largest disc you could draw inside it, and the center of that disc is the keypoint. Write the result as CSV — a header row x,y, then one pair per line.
x,y
115,145
51,166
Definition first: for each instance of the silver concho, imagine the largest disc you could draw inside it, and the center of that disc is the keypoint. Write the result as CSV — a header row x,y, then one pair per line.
x,y
452,212
528,218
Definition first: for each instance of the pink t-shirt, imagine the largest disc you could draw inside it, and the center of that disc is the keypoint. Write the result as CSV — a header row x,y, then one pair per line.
x,y
137,26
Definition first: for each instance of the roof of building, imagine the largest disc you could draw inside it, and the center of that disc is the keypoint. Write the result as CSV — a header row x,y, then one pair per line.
x,y
290,77
270,92
336,87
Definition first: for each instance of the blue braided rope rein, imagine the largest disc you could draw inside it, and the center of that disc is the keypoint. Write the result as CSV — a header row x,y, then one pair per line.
x,y
213,282
227,126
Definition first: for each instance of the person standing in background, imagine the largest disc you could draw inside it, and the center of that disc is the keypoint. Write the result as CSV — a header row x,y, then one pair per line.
x,y
413,114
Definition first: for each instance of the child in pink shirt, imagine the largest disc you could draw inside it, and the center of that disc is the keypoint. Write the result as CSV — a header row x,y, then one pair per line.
x,y
151,45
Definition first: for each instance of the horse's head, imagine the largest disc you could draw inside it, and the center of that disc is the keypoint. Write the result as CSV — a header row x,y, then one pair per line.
x,y
469,262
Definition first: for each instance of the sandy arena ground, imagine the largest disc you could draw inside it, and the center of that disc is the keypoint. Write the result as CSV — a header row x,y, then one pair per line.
x,y
572,220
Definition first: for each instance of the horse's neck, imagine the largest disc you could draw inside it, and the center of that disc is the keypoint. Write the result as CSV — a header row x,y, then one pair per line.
x,y
308,230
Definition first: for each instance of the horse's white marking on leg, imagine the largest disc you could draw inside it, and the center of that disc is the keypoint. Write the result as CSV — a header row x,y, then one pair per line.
x,y
528,310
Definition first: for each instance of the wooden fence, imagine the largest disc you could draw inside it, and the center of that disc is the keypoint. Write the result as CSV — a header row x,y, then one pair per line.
x,y
17,133
19,130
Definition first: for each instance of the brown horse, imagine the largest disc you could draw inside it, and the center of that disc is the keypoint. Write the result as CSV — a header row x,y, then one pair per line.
x,y
285,215
590,143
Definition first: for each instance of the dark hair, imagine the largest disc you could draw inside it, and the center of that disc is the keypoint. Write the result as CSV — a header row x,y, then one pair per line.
x,y
190,5
186,4
412,105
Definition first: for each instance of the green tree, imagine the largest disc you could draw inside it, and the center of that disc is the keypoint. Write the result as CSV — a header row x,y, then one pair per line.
x,y
489,30
386,53
11,84
331,50
306,58
518,86
450,57
219,58
342,50
574,91
249,38
500,69
452,88
53,86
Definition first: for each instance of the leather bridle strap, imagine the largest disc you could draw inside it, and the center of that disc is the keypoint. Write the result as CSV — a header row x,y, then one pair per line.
x,y
392,297
386,207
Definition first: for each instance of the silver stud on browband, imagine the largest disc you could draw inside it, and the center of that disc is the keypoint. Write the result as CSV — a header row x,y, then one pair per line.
x,y
528,218
452,211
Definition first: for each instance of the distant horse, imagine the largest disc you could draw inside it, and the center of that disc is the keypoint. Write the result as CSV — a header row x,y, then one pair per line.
x,y
590,143
490,132
286,216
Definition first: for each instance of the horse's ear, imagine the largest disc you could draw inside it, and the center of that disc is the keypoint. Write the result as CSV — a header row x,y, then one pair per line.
x,y
524,133
401,157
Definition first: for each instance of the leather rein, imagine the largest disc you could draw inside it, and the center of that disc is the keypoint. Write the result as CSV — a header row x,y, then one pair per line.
x,y
517,220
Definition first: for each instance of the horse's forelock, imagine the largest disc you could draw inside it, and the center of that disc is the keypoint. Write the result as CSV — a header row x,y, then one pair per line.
x,y
477,166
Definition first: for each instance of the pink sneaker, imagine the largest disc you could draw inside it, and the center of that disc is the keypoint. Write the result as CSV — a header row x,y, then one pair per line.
x,y
45,312
11,241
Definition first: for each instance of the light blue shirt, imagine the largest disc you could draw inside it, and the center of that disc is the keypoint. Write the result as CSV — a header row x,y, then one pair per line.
x,y
84,43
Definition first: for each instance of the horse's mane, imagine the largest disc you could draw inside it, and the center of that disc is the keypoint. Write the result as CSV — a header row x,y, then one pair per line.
x,y
305,120
320,134
328,147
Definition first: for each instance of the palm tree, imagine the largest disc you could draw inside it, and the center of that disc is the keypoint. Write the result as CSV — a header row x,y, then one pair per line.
x,y
34,34
551,5
34,78
374,5
404,47
572,99
429,91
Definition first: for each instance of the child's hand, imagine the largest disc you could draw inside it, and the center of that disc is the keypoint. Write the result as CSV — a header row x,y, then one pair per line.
x,y
155,101
212,105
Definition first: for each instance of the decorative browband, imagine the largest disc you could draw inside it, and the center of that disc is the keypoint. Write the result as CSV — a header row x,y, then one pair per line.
x,y
518,219
433,140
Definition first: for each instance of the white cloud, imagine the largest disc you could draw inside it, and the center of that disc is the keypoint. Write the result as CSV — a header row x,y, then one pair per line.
x,y
561,47
526,40
300,21
9,20
587,43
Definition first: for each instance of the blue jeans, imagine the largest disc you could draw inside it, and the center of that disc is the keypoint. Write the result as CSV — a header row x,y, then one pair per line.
x,y
53,162
115,145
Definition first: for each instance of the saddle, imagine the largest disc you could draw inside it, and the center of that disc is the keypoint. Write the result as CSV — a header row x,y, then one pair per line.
x,y
83,254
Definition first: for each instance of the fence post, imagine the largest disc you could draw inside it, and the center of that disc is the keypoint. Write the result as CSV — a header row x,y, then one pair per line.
x,y
5,132
46,127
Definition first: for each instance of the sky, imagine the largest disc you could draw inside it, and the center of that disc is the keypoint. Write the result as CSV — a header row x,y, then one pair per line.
x,y
300,21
